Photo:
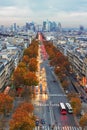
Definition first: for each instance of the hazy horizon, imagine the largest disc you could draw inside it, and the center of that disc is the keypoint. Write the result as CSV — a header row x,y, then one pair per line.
x,y
71,13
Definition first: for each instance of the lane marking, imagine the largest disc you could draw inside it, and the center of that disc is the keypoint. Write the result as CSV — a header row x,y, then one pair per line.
x,y
54,95
45,127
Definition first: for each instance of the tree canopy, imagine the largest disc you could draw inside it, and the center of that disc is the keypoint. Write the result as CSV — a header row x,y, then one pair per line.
x,y
83,121
6,103
23,119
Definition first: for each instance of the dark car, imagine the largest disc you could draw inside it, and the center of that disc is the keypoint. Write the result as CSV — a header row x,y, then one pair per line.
x,y
42,121
82,97
37,122
54,80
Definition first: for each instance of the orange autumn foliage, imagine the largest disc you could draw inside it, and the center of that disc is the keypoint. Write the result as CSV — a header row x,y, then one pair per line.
x,y
30,79
25,59
76,104
23,119
83,121
6,103
22,64
33,65
18,76
26,106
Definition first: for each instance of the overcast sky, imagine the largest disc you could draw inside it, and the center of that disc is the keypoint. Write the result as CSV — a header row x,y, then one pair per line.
x,y
71,13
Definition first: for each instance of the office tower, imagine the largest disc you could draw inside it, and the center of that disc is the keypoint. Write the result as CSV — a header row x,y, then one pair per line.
x,y
44,26
54,26
59,27
14,27
32,27
81,28
2,28
48,26
27,27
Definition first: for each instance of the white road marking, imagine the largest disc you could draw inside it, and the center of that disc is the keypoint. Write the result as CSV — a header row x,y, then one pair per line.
x,y
58,128
54,95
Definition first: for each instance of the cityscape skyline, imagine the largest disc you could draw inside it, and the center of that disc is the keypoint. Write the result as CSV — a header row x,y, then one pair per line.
x,y
70,13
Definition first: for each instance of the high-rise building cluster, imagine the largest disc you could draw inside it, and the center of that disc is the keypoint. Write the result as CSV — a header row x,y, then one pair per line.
x,y
46,26
51,26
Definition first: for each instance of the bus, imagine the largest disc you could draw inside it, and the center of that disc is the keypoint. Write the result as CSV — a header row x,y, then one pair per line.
x,y
62,108
69,108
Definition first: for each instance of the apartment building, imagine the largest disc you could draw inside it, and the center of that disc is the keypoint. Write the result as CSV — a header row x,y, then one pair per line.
x,y
76,53
2,75
84,70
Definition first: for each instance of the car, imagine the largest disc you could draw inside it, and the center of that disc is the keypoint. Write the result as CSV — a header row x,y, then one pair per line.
x,y
37,122
51,67
66,92
45,92
8,114
42,121
82,97
82,112
54,80
84,100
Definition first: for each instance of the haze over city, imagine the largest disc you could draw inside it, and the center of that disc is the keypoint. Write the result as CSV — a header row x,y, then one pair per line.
x,y
43,65
71,13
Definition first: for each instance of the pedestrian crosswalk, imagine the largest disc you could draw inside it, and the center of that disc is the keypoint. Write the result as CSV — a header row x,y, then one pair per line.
x,y
55,95
57,128
45,104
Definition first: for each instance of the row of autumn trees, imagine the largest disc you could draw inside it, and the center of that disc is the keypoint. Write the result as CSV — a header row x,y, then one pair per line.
x,y
61,68
23,78
22,118
59,62
24,75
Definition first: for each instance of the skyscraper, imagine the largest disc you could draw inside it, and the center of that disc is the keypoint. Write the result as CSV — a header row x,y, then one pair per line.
x,y
44,26
15,27
59,27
